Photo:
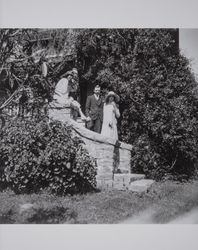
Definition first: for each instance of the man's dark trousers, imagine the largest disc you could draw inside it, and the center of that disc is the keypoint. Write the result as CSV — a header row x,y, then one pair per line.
x,y
94,109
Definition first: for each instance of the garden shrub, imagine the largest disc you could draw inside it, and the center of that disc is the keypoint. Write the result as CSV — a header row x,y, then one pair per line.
x,y
36,155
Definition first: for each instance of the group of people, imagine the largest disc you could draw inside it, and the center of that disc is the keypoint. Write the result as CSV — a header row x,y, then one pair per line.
x,y
101,114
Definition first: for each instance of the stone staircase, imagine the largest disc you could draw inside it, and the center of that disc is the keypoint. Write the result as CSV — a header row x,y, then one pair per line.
x,y
128,181
108,153
102,150
80,122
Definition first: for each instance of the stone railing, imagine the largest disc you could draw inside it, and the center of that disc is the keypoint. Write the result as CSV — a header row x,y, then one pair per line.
x,y
112,156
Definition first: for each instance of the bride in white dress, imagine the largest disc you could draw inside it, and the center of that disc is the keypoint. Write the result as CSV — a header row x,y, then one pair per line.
x,y
110,115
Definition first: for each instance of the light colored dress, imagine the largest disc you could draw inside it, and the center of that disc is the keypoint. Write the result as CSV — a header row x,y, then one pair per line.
x,y
61,96
62,102
109,126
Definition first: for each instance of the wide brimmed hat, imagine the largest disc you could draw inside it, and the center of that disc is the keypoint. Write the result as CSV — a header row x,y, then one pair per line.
x,y
74,71
68,73
116,97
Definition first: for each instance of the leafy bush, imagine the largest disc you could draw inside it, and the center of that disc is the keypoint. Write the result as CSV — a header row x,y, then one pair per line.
x,y
159,103
162,112
38,155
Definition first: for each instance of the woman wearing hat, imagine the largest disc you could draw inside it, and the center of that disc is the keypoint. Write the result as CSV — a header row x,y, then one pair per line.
x,y
64,97
110,115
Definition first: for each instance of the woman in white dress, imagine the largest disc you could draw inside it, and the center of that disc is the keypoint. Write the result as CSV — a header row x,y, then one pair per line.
x,y
110,115
63,100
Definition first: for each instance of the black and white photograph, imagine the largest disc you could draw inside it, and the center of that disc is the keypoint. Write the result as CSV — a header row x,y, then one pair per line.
x,y
98,126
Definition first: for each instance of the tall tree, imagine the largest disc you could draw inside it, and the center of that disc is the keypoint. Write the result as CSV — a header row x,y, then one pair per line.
x,y
158,95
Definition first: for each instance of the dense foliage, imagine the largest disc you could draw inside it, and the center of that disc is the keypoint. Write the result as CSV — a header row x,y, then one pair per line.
x,y
23,53
159,101
41,155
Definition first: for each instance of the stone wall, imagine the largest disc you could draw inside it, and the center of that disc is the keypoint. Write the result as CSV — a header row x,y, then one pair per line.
x,y
109,153
62,115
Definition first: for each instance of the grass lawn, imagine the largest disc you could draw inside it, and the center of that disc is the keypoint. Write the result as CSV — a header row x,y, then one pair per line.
x,y
168,200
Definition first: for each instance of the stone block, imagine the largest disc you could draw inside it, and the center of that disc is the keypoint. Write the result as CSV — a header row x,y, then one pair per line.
x,y
80,122
124,171
135,177
105,177
141,185
128,177
121,181
125,178
124,167
62,114
104,150
105,184
104,181
120,186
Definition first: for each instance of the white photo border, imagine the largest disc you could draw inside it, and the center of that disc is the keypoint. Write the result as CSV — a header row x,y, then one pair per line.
x,y
95,14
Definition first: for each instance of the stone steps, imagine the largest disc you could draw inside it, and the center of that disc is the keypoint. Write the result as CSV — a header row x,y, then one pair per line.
x,y
80,121
107,153
133,182
141,185
102,149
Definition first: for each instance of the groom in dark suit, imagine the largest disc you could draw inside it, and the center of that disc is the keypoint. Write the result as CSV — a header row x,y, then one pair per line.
x,y
94,110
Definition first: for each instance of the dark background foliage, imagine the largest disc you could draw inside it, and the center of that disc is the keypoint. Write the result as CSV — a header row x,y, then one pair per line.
x,y
158,95
22,52
159,99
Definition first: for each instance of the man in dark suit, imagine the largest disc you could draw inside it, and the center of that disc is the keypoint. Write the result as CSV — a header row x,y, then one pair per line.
x,y
94,110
